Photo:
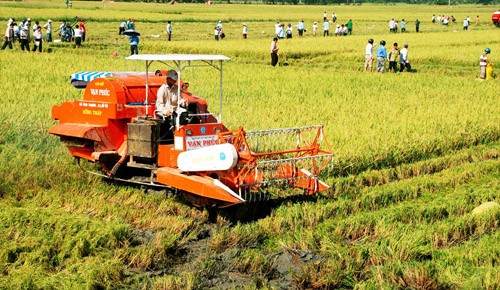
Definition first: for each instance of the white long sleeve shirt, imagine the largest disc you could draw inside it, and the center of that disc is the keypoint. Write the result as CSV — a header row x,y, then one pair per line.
x,y
37,35
404,55
78,32
166,100
369,49
48,26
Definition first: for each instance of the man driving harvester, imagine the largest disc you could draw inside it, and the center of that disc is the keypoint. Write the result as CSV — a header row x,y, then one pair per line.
x,y
167,98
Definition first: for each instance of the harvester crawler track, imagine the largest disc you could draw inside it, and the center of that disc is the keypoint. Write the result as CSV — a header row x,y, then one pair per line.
x,y
137,182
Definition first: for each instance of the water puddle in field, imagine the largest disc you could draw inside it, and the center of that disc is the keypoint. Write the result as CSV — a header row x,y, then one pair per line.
x,y
279,271
224,270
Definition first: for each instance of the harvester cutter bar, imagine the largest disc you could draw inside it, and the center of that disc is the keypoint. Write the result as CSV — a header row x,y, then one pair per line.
x,y
286,170
283,130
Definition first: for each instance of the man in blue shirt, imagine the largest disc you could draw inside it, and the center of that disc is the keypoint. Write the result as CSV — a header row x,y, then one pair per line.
x,y
134,41
300,28
381,56
326,27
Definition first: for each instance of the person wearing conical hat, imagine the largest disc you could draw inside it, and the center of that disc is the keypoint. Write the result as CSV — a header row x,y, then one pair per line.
x,y
483,62
245,31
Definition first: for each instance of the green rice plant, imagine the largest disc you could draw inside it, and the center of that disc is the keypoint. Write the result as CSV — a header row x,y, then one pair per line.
x,y
254,262
241,236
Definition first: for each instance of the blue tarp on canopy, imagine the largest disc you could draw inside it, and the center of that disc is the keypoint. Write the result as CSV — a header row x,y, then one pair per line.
x,y
80,79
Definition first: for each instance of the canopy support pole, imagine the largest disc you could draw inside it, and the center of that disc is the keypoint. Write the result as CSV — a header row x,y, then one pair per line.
x,y
148,63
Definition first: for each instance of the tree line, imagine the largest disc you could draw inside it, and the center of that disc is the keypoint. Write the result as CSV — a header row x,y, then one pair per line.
x,y
327,2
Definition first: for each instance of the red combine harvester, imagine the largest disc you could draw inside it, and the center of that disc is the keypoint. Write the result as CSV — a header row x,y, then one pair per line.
x,y
191,152
496,18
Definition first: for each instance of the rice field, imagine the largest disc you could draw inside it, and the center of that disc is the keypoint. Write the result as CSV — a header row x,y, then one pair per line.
x,y
415,154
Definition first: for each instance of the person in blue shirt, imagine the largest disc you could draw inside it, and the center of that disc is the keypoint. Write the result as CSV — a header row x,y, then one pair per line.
x,y
300,28
281,32
381,56
134,42
326,28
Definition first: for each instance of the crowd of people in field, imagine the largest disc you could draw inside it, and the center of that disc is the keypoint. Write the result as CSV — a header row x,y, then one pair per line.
x,y
396,56
445,20
25,34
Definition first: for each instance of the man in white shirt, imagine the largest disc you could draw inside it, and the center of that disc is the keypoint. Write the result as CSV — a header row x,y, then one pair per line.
x,y
123,27
404,62
23,37
37,39
78,36
338,31
391,25
166,97
9,35
48,27
245,31
369,55
35,27
62,30
27,25
169,30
